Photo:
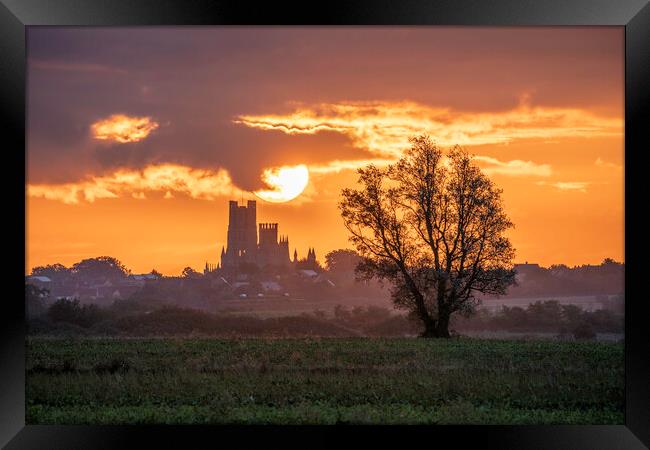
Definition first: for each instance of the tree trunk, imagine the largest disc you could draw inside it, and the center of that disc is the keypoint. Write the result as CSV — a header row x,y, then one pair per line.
x,y
443,320
436,328
430,327
429,331
443,325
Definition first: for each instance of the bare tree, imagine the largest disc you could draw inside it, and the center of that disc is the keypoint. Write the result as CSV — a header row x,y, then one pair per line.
x,y
433,227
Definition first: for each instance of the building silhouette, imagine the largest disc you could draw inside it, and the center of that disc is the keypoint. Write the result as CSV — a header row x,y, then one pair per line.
x,y
252,243
270,251
242,235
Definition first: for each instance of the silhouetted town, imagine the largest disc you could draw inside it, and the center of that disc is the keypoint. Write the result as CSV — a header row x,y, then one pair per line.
x,y
256,263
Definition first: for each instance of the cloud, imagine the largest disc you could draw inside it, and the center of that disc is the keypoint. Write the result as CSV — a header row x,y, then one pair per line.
x,y
489,165
337,166
579,186
383,128
515,167
196,183
600,163
70,193
379,129
123,129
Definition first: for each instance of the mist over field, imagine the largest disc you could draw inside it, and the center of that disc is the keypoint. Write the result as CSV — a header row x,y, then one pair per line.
x,y
551,302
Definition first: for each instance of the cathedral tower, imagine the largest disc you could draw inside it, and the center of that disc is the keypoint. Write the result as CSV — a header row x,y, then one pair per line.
x,y
242,234
243,245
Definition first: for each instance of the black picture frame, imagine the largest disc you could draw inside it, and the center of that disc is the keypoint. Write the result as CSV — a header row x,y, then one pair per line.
x,y
634,15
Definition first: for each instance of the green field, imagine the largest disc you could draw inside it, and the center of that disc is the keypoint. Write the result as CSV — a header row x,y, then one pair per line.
x,y
324,381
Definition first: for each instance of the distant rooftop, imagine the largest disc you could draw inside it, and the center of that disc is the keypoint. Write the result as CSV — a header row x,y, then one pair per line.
x,y
145,276
39,278
526,267
527,264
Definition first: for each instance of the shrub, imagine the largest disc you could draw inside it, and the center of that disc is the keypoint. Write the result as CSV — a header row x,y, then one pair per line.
x,y
584,331
71,311
604,320
35,300
545,315
513,318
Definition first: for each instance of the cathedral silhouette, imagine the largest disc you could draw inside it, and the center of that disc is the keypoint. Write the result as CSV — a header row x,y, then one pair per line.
x,y
243,245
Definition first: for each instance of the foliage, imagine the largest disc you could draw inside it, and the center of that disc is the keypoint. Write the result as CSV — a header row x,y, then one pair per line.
x,y
434,231
548,316
147,317
101,267
54,272
35,302
605,279
71,311
584,331
342,261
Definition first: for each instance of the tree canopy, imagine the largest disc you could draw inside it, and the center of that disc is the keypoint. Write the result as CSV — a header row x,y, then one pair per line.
x,y
53,271
342,260
101,267
433,225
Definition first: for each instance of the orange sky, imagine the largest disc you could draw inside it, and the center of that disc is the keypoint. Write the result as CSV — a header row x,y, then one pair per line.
x,y
137,139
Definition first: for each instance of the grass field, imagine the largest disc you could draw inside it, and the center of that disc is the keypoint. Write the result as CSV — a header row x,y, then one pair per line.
x,y
323,381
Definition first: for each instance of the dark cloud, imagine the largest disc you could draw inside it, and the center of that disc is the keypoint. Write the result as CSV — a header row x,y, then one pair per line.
x,y
194,82
134,154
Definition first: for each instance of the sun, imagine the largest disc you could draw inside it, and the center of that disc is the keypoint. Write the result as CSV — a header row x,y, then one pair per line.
x,y
286,183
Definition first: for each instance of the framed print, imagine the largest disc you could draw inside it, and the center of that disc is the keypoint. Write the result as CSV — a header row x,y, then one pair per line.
x,y
408,221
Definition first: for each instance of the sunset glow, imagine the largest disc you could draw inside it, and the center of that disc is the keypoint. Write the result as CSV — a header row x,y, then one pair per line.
x,y
383,127
134,149
123,129
283,224
196,183
287,183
